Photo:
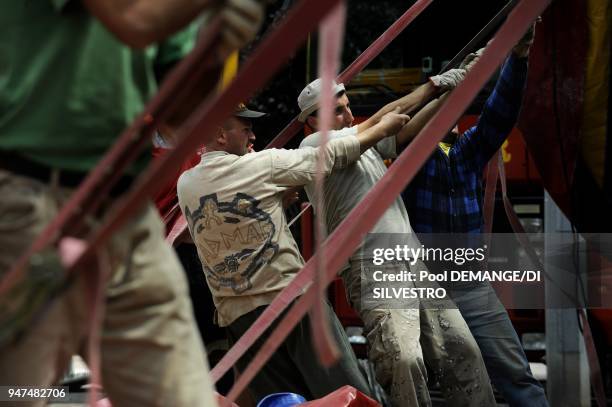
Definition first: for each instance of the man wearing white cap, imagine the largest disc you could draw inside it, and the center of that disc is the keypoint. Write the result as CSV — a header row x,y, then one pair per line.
x,y
397,338
232,201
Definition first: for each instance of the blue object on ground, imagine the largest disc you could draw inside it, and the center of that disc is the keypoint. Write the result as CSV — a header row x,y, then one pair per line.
x,y
281,400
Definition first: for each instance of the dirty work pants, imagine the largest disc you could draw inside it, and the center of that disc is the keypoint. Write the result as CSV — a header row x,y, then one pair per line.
x,y
400,341
151,353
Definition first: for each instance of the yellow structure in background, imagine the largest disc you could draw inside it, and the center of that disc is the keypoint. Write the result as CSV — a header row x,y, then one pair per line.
x,y
596,88
400,80
230,69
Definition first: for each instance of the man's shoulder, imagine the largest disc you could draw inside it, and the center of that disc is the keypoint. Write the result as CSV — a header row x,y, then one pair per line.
x,y
184,180
311,140
314,139
233,164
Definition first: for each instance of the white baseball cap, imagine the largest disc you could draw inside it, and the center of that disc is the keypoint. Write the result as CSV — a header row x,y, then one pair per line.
x,y
308,100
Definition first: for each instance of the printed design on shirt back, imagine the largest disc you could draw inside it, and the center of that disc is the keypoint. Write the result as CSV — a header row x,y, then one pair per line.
x,y
233,238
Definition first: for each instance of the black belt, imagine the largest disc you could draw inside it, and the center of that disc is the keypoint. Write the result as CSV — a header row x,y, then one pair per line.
x,y
15,163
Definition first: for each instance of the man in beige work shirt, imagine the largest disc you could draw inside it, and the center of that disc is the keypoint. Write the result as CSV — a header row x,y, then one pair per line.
x,y
232,201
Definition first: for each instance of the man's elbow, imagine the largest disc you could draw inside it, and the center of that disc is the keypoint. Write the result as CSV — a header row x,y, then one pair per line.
x,y
136,31
134,40
132,24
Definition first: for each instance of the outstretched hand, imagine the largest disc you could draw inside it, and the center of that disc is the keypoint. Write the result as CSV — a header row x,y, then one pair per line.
x,y
393,121
522,48
470,60
242,20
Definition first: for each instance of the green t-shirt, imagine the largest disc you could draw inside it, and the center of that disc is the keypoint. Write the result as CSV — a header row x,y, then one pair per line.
x,y
68,87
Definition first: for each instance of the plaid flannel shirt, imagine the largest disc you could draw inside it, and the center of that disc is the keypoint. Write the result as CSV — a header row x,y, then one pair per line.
x,y
446,194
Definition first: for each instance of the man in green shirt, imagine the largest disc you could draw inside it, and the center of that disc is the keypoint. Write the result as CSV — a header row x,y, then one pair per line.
x,y
69,83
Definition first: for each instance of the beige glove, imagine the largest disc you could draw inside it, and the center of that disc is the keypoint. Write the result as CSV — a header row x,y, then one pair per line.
x,y
448,80
242,20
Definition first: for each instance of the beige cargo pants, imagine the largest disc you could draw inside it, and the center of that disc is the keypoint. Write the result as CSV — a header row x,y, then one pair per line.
x,y
151,352
400,341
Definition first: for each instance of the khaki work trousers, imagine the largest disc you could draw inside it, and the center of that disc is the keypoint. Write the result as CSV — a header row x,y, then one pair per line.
x,y
400,341
151,352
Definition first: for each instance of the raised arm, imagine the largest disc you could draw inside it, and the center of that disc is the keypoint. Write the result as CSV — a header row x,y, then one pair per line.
x,y
499,114
419,120
139,23
390,124
418,97
503,106
405,104
299,167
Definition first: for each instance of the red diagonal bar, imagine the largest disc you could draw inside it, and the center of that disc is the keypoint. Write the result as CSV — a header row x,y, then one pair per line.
x,y
362,218
201,126
358,64
331,36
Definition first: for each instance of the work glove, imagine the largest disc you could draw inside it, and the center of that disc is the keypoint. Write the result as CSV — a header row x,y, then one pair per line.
x,y
242,20
470,60
448,80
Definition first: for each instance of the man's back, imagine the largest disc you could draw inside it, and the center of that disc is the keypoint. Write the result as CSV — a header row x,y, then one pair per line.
x,y
235,215
233,207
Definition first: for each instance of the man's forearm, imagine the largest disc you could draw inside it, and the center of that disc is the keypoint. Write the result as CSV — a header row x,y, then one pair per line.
x,y
389,125
369,137
418,121
501,110
406,104
139,23
504,104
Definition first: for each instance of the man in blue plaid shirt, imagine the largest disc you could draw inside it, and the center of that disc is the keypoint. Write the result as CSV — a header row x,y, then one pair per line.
x,y
446,197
